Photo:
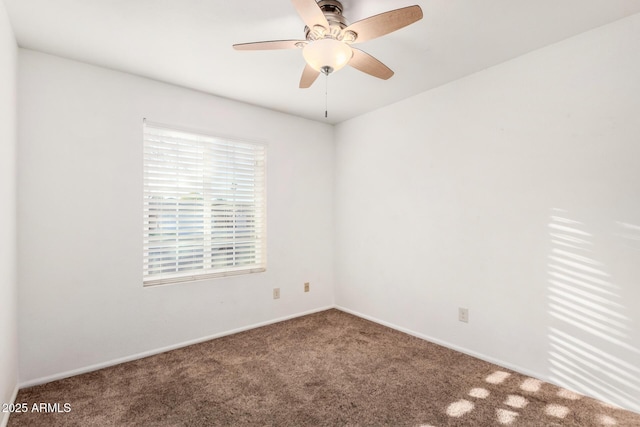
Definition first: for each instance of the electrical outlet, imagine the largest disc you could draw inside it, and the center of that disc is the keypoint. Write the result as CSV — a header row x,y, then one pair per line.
x,y
276,293
306,286
463,315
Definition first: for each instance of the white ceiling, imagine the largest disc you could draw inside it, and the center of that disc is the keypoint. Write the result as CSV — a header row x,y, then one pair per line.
x,y
188,43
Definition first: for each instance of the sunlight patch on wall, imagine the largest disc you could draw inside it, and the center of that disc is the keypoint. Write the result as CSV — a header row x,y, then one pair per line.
x,y
590,329
630,234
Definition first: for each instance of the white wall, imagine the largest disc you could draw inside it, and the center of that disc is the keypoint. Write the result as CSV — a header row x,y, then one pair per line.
x,y
81,300
452,199
8,286
513,192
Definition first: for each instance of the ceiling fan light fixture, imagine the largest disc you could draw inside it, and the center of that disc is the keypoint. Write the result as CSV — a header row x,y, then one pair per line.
x,y
327,54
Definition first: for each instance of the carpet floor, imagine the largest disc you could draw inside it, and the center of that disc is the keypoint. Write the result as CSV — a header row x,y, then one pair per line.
x,y
325,369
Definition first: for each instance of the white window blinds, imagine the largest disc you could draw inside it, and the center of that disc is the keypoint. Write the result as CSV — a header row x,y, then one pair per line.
x,y
204,206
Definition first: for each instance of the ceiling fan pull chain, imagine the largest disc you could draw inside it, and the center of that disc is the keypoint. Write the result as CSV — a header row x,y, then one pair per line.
x,y
326,90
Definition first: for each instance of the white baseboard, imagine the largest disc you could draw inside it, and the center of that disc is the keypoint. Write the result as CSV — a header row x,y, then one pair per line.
x,y
102,365
4,420
443,343
480,356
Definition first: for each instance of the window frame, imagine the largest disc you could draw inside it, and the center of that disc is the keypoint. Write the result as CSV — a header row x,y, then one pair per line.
x,y
257,209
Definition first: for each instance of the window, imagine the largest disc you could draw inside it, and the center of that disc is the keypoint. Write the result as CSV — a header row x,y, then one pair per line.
x,y
204,206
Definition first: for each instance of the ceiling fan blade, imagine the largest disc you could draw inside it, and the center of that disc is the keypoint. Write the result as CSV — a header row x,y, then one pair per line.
x,y
309,75
385,23
368,64
310,13
269,45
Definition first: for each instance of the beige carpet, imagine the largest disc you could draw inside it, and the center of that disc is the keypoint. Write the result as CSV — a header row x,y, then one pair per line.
x,y
326,369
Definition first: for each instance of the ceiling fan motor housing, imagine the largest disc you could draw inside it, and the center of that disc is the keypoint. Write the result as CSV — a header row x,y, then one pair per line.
x,y
332,10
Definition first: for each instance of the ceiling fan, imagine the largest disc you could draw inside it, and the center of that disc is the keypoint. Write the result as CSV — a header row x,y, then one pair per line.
x,y
328,38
